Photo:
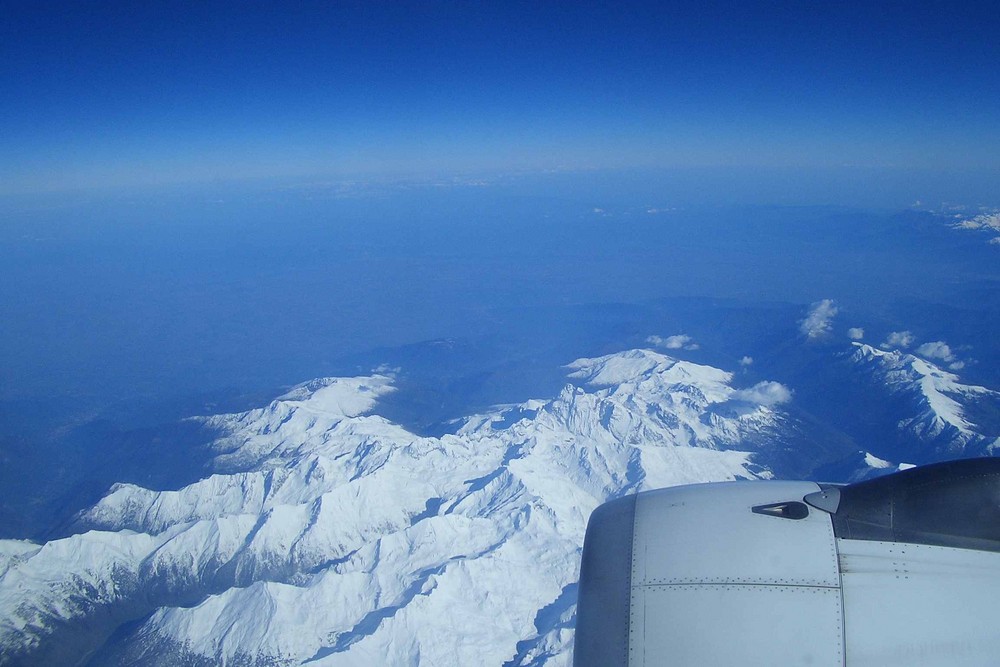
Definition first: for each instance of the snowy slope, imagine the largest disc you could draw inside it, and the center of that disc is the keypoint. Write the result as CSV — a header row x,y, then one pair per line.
x,y
331,536
938,402
985,222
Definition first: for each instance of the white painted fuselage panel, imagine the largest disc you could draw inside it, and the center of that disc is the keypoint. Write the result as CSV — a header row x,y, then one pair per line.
x,y
919,605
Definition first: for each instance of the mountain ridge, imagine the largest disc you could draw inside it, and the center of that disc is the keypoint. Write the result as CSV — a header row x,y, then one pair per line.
x,y
317,499
329,535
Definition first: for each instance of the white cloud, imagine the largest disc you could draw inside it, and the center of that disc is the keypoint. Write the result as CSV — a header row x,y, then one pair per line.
x,y
898,339
676,342
818,321
746,361
856,333
936,350
957,366
765,393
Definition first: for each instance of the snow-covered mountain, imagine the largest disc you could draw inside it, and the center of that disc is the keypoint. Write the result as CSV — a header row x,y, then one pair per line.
x,y
984,222
330,536
936,417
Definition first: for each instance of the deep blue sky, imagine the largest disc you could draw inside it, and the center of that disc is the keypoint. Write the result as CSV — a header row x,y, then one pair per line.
x,y
111,95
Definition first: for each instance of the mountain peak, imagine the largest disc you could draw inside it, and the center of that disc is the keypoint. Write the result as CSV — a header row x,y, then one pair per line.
x,y
940,399
637,365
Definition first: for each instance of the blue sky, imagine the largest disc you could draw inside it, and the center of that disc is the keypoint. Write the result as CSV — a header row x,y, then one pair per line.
x,y
112,95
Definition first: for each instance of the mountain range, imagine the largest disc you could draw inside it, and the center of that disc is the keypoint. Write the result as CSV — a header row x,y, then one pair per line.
x,y
329,535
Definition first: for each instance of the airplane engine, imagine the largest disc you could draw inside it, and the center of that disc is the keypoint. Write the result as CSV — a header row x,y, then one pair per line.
x,y
899,570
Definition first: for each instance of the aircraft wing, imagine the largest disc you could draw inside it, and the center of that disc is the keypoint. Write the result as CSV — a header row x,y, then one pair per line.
x,y
899,570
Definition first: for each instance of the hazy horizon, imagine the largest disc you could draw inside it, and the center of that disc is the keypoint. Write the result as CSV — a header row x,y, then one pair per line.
x,y
119,96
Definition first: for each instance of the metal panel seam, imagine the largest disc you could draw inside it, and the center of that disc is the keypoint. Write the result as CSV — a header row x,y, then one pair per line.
x,y
762,581
843,605
632,601
744,584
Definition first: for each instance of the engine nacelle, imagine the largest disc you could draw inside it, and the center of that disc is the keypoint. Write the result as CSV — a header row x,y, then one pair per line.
x,y
898,570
